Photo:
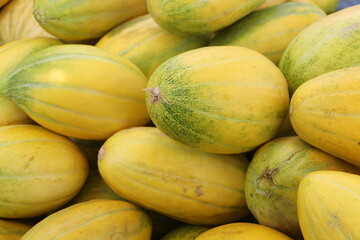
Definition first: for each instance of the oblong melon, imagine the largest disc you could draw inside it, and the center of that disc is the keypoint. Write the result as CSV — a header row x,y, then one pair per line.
x,y
329,44
329,205
146,44
80,91
220,99
148,168
269,31
325,111
76,21
194,17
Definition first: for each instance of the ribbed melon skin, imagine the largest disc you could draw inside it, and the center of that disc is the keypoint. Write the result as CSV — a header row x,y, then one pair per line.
x,y
242,230
220,99
81,20
12,230
11,54
148,168
40,171
17,21
269,31
329,44
79,91
273,177
194,17
146,44
329,206
95,219
325,113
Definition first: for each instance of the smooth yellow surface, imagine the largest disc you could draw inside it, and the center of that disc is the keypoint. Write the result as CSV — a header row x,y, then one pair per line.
x,y
324,112
242,231
148,168
17,22
94,220
146,44
329,206
80,91
40,171
11,55
12,230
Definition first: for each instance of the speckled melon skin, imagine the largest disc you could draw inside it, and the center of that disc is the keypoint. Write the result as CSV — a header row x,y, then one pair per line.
x,y
194,17
331,43
220,99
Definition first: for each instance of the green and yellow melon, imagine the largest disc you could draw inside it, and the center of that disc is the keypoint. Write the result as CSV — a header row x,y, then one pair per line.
x,y
220,99
269,31
270,3
242,230
329,206
329,6
76,21
12,230
325,110
185,232
40,171
11,55
195,17
148,168
80,91
329,44
17,21
273,177
146,44
95,219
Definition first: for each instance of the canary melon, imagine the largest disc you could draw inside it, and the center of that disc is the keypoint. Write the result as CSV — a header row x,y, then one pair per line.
x,y
17,21
273,177
76,21
40,171
329,206
148,168
220,99
242,230
12,230
95,219
325,110
269,31
79,91
146,44
194,17
11,55
329,44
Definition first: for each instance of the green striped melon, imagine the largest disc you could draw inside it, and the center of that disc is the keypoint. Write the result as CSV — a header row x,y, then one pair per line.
x,y
325,111
194,17
329,206
269,31
329,44
76,21
40,171
273,177
80,91
148,168
17,21
95,219
11,55
185,232
220,99
12,230
146,44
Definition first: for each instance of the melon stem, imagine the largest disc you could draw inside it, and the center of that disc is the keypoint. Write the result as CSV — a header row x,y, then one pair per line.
x,y
155,95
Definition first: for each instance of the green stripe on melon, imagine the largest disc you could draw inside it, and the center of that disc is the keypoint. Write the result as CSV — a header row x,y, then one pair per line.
x,y
329,44
221,99
269,31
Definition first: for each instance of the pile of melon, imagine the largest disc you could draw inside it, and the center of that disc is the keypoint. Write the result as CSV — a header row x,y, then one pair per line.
x,y
179,120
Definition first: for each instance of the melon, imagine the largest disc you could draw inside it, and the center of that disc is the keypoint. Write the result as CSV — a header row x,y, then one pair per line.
x,y
185,232
329,44
12,230
219,99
